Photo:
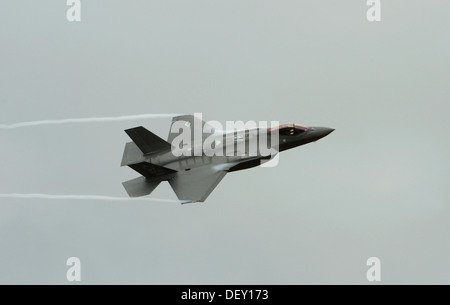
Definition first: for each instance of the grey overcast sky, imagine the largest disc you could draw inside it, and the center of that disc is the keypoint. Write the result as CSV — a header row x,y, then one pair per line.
x,y
377,186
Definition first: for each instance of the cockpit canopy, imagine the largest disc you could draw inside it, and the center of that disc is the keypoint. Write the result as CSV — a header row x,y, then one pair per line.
x,y
290,129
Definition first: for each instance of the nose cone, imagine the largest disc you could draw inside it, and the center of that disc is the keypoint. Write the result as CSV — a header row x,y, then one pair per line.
x,y
320,132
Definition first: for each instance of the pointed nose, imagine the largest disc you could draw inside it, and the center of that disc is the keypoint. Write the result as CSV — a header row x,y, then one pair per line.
x,y
320,132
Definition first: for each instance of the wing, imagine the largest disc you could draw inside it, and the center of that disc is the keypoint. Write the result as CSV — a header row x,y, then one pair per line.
x,y
196,184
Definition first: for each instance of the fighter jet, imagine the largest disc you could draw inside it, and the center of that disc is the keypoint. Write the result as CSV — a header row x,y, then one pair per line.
x,y
194,176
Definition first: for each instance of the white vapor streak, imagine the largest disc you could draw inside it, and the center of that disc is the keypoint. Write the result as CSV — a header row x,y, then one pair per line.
x,y
84,197
88,120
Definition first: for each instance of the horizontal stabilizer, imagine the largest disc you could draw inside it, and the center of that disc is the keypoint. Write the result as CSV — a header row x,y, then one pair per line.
x,y
147,141
140,187
150,170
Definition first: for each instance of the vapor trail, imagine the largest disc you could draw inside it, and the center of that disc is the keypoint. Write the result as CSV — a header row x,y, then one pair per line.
x,y
88,120
84,197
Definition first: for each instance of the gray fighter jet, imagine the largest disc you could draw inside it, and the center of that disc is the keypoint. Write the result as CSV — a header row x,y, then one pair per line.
x,y
193,177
